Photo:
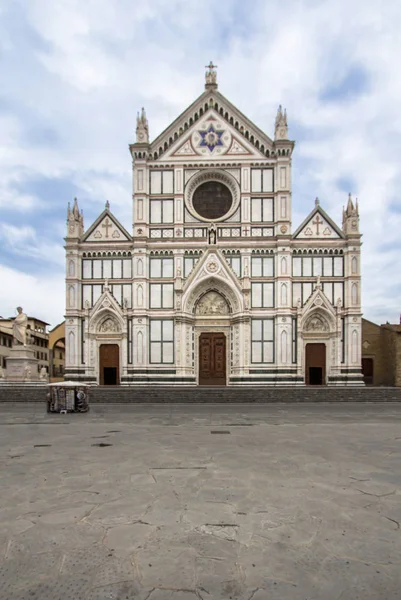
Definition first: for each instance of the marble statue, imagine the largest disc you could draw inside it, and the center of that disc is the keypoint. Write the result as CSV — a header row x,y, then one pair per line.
x,y
43,374
20,324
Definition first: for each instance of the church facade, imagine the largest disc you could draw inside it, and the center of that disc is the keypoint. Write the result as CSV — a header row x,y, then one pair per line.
x,y
213,285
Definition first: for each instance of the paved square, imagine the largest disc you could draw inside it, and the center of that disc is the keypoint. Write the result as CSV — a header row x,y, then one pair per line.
x,y
261,502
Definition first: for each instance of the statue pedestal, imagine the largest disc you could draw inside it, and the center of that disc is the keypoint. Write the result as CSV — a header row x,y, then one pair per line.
x,y
21,365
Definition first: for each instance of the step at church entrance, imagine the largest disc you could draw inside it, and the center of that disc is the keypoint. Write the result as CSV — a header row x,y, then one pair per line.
x,y
212,359
109,367
315,364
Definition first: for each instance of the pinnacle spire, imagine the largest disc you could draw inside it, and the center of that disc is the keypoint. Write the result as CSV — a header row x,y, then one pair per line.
x,y
75,209
142,127
281,124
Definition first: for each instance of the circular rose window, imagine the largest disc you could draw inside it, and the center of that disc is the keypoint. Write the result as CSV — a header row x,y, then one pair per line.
x,y
212,200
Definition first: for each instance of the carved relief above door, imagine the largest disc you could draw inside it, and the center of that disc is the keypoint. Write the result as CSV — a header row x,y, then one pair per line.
x,y
211,304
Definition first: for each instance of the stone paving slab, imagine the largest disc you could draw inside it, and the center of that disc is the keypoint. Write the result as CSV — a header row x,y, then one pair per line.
x,y
295,502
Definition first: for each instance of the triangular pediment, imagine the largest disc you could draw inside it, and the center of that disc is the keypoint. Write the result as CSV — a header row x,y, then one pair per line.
x,y
106,308
183,136
318,314
106,229
212,264
212,137
318,225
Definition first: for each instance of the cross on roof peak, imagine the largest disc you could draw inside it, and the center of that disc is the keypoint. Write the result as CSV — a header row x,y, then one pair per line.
x,y
211,75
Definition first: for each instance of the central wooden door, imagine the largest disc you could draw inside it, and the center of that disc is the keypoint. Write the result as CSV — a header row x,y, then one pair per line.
x,y
212,359
315,364
109,364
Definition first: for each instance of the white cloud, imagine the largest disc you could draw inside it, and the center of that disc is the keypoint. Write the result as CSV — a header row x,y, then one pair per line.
x,y
40,296
24,242
89,67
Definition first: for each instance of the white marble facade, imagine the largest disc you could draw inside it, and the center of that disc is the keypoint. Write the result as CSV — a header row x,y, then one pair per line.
x,y
212,251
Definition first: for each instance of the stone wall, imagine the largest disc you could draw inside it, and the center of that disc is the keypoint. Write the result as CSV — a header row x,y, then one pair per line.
x,y
382,343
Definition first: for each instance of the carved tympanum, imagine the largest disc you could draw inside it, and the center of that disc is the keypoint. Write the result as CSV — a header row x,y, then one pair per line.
x,y
108,326
316,323
212,303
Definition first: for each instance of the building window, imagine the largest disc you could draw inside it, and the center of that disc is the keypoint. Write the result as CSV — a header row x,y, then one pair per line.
x,y
313,266
262,210
162,211
301,291
107,269
262,295
161,341
262,341
334,291
122,292
162,182
262,266
161,295
90,295
262,180
235,264
189,263
161,268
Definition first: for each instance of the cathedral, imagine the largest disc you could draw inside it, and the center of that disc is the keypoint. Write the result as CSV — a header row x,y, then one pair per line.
x,y
213,285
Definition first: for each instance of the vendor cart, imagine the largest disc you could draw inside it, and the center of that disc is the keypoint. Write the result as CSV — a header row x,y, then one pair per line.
x,y
68,396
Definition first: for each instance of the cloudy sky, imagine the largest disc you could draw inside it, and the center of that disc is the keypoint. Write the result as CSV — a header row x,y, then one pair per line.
x,y
73,75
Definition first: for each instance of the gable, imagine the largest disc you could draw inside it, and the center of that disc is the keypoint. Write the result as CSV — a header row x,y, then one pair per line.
x,y
211,137
211,264
318,225
106,229
180,130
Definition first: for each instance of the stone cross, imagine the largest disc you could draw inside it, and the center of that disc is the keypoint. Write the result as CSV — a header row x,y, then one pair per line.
x,y
107,224
317,222
246,230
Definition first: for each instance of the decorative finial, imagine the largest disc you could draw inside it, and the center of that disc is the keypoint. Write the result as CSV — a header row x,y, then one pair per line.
x,y
281,125
75,209
350,206
107,205
211,76
142,127
317,201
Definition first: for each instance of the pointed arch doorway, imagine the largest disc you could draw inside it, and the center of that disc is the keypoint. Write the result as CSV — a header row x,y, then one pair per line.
x,y
109,364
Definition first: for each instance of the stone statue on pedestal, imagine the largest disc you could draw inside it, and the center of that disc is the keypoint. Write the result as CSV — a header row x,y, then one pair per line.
x,y
20,324
43,374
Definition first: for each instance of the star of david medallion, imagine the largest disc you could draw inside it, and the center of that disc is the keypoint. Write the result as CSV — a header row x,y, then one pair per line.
x,y
211,138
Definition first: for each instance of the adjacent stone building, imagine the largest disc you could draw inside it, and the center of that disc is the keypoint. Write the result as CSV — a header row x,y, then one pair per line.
x,y
381,353
213,285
